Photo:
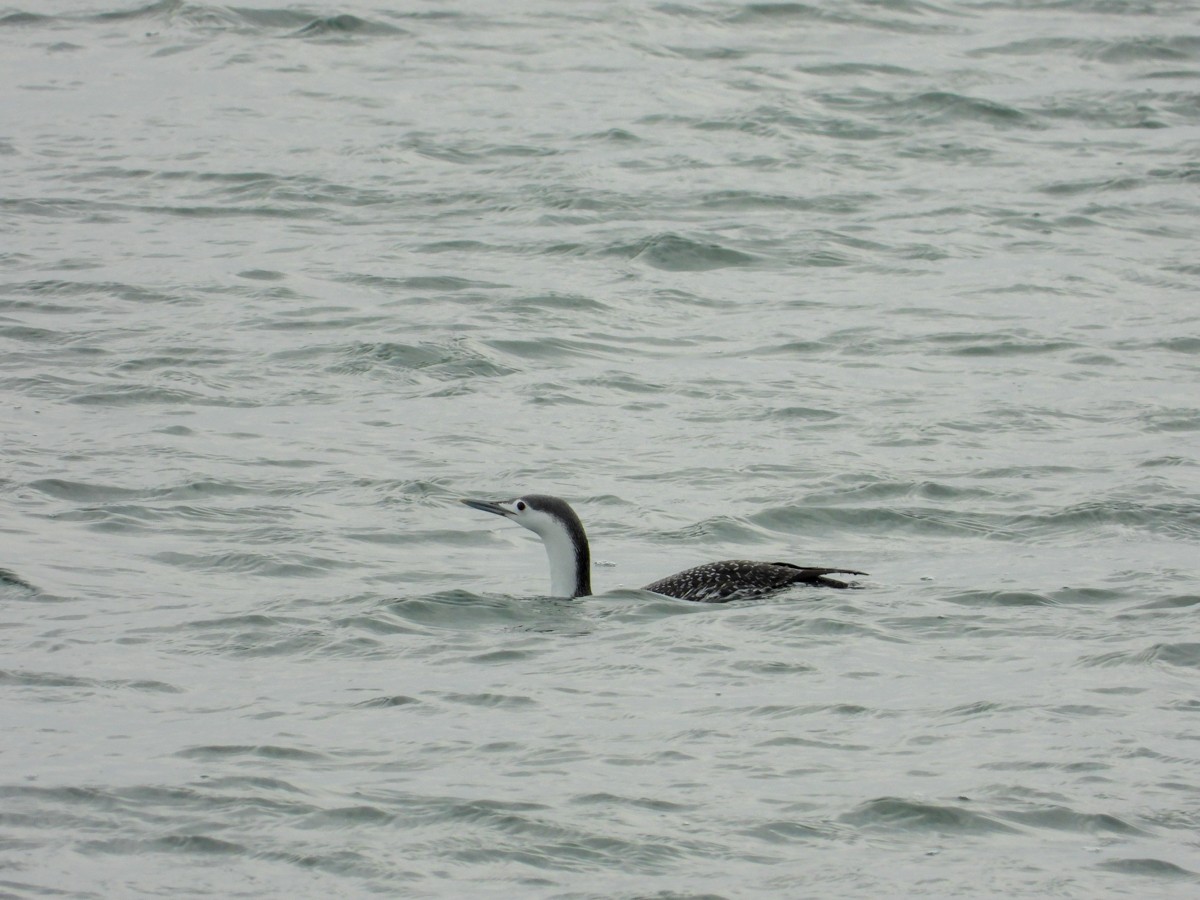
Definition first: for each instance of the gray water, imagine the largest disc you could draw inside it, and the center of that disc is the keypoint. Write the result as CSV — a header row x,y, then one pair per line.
x,y
900,286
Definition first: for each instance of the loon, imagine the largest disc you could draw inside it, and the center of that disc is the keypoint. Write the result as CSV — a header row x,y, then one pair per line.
x,y
559,527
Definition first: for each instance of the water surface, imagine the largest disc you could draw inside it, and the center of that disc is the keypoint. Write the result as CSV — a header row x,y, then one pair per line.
x,y
902,287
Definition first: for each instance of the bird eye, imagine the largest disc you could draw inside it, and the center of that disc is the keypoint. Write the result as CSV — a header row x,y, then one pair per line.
x,y
520,506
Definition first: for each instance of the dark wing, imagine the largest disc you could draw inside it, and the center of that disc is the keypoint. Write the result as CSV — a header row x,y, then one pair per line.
x,y
737,579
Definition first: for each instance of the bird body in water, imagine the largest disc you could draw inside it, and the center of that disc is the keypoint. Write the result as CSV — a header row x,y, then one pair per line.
x,y
553,520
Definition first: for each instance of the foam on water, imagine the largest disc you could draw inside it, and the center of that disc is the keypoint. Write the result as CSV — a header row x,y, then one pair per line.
x,y
905,288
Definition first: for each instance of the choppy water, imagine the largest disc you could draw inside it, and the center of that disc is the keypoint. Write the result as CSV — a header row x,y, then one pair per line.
x,y
901,286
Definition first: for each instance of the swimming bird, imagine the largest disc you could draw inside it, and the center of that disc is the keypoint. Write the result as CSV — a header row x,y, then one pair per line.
x,y
553,520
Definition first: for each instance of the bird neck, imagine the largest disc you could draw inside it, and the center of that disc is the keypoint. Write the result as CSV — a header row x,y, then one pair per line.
x,y
570,563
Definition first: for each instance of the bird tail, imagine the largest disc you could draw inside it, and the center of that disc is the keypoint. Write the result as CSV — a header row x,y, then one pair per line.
x,y
817,575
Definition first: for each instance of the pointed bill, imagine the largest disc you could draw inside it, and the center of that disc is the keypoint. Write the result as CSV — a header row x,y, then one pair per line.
x,y
487,506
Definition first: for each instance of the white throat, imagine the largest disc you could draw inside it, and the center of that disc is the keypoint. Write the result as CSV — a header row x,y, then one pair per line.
x,y
563,562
